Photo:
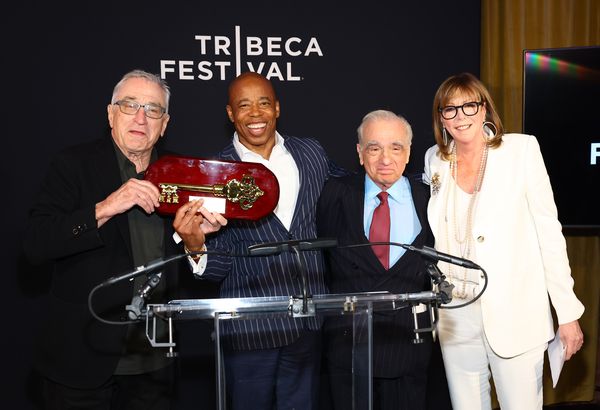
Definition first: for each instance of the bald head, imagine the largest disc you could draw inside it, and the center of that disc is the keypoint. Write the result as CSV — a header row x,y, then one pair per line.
x,y
247,78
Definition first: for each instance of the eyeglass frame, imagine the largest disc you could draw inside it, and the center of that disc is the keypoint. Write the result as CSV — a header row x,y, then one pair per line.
x,y
462,107
146,107
396,148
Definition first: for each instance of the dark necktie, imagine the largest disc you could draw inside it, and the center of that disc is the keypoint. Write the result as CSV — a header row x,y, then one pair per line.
x,y
380,229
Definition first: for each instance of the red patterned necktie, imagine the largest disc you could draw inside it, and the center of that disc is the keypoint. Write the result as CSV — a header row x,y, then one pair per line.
x,y
380,229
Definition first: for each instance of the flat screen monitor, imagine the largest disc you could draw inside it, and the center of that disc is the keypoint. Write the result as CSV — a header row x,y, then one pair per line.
x,y
561,107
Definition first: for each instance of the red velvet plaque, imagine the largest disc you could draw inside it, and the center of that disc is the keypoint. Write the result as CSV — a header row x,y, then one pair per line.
x,y
238,190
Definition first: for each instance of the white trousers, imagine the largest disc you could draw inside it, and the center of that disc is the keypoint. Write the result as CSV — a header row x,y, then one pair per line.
x,y
468,359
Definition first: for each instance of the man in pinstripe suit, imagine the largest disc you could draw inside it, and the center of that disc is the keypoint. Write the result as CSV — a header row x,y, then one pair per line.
x,y
270,363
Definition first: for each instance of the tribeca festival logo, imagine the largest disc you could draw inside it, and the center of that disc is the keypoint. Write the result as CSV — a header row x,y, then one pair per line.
x,y
223,57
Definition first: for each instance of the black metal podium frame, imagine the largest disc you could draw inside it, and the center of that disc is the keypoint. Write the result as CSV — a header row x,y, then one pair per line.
x,y
360,305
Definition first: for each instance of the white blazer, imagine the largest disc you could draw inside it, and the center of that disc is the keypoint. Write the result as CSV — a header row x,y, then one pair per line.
x,y
518,241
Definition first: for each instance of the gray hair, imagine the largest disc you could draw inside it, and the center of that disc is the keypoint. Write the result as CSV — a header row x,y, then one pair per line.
x,y
384,115
146,76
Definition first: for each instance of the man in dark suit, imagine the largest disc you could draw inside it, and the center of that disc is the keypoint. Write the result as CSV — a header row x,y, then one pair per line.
x,y
346,211
272,362
94,218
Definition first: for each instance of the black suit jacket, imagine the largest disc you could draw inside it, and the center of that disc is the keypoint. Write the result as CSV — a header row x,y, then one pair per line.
x,y
73,348
340,214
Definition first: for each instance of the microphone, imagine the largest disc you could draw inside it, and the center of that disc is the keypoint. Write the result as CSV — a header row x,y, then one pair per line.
x,y
295,246
275,248
434,255
137,303
156,263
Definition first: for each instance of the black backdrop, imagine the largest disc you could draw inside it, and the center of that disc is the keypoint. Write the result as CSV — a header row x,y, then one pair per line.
x,y
61,65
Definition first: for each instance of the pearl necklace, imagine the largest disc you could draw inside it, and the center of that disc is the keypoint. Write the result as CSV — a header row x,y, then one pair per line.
x,y
464,242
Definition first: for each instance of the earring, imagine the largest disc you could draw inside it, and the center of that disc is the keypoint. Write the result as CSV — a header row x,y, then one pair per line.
x,y
445,136
488,134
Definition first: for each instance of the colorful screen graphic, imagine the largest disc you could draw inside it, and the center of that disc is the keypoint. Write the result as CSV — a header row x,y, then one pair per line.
x,y
561,107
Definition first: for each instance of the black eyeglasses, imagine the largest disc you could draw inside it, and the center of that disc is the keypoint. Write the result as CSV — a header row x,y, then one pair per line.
x,y
469,108
131,108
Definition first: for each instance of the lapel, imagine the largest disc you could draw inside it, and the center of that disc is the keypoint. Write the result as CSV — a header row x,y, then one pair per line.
x,y
440,171
229,153
497,182
108,177
420,202
302,176
355,208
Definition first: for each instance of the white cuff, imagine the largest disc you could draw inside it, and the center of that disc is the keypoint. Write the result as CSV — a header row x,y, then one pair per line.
x,y
198,267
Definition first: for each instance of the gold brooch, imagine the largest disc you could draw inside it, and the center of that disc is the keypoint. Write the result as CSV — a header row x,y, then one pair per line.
x,y
435,184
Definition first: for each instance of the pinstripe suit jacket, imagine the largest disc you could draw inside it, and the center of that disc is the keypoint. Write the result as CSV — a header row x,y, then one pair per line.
x,y
272,275
340,214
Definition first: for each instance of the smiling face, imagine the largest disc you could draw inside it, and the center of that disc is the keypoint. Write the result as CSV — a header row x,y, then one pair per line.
x,y
136,134
253,109
384,150
465,129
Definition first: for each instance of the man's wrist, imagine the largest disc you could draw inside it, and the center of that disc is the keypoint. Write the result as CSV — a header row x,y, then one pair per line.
x,y
195,257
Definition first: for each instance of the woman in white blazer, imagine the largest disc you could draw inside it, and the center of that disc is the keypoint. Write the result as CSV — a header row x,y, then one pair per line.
x,y
492,203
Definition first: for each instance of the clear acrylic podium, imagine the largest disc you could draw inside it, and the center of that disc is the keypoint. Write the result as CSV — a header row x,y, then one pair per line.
x,y
360,305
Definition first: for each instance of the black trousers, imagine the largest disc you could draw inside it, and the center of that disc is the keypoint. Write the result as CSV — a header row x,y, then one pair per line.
x,y
336,388
400,393
147,391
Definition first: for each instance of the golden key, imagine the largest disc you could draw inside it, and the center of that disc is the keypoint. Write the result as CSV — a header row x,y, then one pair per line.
x,y
244,192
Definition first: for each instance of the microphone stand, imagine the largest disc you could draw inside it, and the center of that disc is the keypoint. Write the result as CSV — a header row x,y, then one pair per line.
x,y
295,246
445,288
137,306
139,300
431,257
302,271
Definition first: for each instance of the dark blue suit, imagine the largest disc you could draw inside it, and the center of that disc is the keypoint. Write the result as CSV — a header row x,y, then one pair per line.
x,y
272,275
400,368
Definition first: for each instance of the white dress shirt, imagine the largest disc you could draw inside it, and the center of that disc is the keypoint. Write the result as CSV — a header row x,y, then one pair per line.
x,y
282,164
